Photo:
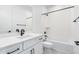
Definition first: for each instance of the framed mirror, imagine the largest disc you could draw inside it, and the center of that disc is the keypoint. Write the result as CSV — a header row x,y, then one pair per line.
x,y
15,16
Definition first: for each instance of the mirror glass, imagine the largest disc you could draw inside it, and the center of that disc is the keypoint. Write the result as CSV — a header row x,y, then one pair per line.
x,y
14,17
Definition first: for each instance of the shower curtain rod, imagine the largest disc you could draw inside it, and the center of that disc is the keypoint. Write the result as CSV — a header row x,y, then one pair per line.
x,y
58,10
54,11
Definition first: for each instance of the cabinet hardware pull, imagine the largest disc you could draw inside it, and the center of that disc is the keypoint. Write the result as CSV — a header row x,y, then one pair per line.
x,y
40,39
13,51
33,51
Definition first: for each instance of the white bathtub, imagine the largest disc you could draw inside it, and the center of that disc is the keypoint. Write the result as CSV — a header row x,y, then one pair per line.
x,y
60,47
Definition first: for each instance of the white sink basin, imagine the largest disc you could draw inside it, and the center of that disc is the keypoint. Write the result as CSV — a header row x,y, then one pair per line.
x,y
25,36
22,37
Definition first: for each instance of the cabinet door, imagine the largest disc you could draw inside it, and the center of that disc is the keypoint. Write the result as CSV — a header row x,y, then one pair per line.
x,y
28,51
13,49
30,43
25,52
38,49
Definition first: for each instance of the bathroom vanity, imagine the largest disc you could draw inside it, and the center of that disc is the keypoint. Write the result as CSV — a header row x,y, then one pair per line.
x,y
27,44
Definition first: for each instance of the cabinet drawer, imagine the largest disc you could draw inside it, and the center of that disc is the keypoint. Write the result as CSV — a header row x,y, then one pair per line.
x,y
12,49
30,43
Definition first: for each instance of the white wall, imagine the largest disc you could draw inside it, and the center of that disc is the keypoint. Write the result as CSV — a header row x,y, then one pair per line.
x,y
44,23
44,19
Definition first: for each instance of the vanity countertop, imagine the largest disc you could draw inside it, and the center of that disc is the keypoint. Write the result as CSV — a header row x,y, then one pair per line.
x,y
8,41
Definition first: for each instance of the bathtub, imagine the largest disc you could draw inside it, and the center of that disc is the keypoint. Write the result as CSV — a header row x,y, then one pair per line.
x,y
59,47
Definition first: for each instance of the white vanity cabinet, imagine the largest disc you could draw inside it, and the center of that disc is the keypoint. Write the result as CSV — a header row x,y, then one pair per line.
x,y
22,46
33,46
14,49
31,43
36,49
28,51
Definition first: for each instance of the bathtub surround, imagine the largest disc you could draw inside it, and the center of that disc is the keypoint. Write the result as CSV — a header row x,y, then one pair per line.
x,y
62,29
59,23
52,46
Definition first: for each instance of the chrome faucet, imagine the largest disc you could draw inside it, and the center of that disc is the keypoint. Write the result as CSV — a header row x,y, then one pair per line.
x,y
22,32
